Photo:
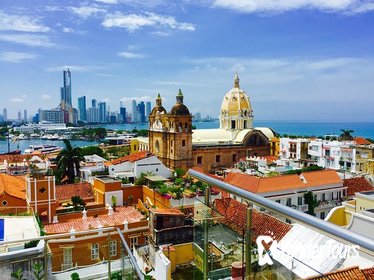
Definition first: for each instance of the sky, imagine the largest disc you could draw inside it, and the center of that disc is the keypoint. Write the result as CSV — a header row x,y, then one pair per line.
x,y
296,59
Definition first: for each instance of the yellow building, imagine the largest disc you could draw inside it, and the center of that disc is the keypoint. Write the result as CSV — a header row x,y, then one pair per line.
x,y
274,146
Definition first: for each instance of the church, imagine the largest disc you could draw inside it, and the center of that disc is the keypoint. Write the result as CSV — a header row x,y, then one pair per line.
x,y
177,145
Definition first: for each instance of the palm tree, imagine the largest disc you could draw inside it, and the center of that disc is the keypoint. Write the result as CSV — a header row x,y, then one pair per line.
x,y
68,162
346,134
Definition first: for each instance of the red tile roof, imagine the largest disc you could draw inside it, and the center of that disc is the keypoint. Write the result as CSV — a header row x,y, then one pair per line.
x,y
350,273
369,273
285,182
65,192
234,214
165,211
13,185
362,141
14,158
122,214
358,184
131,158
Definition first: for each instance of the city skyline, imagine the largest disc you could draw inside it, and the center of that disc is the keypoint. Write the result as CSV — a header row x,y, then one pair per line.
x,y
294,59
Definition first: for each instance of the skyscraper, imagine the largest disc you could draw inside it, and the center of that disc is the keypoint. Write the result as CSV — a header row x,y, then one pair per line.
x,y
147,110
82,108
5,114
93,102
66,90
19,115
102,112
122,113
134,114
141,110
25,115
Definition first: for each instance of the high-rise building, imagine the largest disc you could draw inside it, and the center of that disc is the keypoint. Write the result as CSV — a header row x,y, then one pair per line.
x,y
141,110
25,115
147,110
53,116
102,112
19,115
82,108
5,114
133,111
93,103
122,113
66,90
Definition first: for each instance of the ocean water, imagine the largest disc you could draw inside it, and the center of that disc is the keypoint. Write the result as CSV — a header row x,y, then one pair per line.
x,y
300,128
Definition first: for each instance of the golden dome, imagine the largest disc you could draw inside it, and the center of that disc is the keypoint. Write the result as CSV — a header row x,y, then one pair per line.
x,y
158,109
179,108
236,107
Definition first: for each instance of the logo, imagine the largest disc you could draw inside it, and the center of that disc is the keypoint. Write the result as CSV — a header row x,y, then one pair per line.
x,y
300,251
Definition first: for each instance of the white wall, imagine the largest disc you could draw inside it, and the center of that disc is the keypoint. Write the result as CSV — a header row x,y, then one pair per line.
x,y
162,266
118,194
151,164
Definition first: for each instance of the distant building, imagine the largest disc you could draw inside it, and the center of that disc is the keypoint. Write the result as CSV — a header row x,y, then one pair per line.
x,y
102,112
5,114
19,116
82,108
133,111
148,108
25,115
141,112
296,149
197,117
93,103
93,115
122,113
53,116
66,90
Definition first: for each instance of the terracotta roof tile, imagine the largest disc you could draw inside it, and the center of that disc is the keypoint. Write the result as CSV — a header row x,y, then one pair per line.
x,y
350,273
14,158
369,273
234,214
358,184
122,214
167,211
361,141
13,185
65,192
131,158
285,182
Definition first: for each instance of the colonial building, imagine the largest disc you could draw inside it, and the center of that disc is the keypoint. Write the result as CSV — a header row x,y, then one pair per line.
x,y
172,139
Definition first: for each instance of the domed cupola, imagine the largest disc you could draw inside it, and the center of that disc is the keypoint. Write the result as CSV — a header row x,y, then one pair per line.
x,y
179,109
158,109
236,109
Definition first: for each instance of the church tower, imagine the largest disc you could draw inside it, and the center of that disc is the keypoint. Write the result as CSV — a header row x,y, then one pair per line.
x,y
170,135
236,109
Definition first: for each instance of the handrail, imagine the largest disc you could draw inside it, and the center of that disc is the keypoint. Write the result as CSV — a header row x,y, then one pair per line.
x,y
338,233
132,259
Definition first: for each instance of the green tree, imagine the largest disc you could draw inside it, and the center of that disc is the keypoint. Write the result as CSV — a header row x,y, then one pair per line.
x,y
100,133
346,134
311,201
92,150
68,162
78,202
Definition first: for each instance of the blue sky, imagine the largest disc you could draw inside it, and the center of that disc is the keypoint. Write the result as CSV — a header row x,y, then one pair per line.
x,y
297,59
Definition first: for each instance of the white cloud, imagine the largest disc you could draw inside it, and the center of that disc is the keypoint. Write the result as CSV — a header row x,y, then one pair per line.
x,y
137,99
18,99
75,68
28,40
108,1
46,96
67,30
131,55
87,11
21,23
17,57
132,22
279,6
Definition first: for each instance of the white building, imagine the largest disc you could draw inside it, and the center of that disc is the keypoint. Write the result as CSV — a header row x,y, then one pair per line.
x,y
296,149
132,166
333,154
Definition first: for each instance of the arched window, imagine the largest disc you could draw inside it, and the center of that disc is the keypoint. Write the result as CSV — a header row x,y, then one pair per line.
x,y
233,124
157,146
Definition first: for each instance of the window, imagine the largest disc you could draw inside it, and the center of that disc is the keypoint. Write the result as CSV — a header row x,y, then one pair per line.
x,y
183,143
133,241
4,203
299,200
94,251
232,124
199,159
218,158
288,201
234,157
323,197
322,215
245,124
67,258
278,200
157,146
113,248
288,221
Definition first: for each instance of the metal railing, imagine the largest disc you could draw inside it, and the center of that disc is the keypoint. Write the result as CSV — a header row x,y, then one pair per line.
x,y
338,233
132,258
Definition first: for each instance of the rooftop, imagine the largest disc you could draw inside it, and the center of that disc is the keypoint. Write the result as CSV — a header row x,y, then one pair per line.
x,y
122,214
107,179
345,274
65,192
131,158
358,184
13,185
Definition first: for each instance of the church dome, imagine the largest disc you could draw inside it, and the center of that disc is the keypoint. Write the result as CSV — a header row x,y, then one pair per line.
x,y
158,109
236,109
179,108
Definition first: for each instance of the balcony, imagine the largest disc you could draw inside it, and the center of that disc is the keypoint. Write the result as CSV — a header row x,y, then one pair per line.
x,y
302,208
327,204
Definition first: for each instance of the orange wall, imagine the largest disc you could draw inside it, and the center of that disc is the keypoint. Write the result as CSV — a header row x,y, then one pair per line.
x,y
155,198
106,187
12,201
135,191
42,189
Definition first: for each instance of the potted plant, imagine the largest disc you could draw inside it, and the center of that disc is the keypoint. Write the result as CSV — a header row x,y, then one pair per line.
x,y
114,202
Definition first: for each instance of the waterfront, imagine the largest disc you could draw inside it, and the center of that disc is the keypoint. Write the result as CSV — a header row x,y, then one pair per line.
x,y
300,128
